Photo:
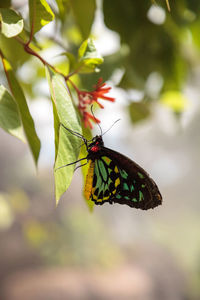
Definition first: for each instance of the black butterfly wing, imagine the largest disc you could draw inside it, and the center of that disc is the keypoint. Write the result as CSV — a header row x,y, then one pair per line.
x,y
118,179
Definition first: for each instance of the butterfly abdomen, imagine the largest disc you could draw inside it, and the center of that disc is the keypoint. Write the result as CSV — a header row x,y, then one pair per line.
x,y
89,180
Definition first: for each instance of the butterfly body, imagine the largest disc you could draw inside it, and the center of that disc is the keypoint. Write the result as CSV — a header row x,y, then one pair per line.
x,y
114,178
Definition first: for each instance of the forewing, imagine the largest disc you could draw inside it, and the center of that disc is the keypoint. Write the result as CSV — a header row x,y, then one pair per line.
x,y
117,179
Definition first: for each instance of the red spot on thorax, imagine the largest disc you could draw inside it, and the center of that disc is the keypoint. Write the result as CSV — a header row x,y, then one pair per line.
x,y
94,148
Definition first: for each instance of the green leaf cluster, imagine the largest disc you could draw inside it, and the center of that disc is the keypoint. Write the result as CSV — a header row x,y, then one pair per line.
x,y
20,48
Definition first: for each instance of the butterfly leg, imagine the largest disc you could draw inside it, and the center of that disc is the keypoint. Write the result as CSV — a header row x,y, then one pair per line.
x,y
80,166
70,163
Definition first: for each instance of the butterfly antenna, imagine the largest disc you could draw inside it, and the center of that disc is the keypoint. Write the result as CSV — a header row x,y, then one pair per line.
x,y
95,118
111,126
77,134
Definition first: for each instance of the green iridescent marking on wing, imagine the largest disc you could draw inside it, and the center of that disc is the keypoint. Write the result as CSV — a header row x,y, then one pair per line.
x,y
118,196
99,185
109,181
123,174
102,169
141,175
106,159
96,169
125,186
109,170
131,190
141,196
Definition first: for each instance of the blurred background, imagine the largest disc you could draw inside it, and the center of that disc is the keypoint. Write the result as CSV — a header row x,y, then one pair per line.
x,y
152,62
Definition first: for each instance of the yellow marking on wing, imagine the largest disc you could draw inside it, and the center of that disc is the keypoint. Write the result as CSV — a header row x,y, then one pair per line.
x,y
117,182
99,199
116,169
104,199
89,180
92,190
114,192
106,159
94,196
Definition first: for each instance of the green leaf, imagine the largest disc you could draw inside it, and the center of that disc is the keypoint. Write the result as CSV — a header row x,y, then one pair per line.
x,y
139,111
17,57
56,128
84,12
67,146
195,32
27,121
88,56
11,23
175,100
9,116
40,14
111,63
71,60
62,8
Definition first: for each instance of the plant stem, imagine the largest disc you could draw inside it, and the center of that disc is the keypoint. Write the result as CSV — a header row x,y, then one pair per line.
x,y
34,53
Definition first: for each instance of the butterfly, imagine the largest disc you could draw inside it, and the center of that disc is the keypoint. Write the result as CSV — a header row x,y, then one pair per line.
x,y
114,178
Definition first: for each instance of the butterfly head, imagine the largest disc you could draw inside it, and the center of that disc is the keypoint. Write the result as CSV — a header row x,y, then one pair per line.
x,y
95,144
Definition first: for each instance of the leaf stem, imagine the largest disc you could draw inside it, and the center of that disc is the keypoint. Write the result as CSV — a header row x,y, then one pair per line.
x,y
34,53
29,50
74,86
73,73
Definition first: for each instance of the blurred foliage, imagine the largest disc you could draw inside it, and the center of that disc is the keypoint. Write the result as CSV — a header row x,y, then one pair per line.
x,y
175,100
6,214
74,237
185,225
139,111
73,241
153,47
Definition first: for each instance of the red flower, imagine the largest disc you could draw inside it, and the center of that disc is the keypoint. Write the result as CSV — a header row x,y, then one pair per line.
x,y
87,98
